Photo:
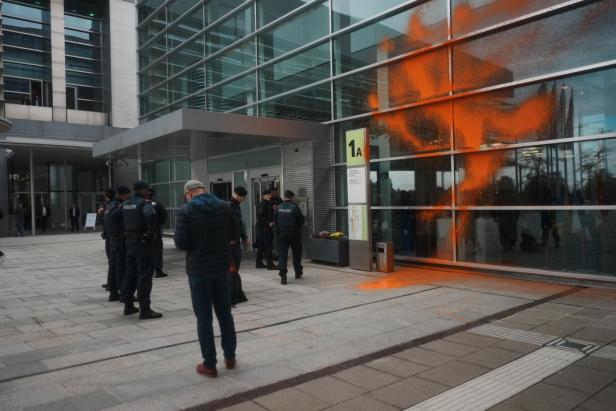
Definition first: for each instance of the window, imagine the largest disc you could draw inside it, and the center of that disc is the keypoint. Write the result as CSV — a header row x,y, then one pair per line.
x,y
347,12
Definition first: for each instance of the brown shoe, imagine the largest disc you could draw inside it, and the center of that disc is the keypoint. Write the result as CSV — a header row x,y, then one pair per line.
x,y
230,363
208,372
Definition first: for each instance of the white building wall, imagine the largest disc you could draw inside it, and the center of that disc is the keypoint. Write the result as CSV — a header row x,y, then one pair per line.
x,y
123,51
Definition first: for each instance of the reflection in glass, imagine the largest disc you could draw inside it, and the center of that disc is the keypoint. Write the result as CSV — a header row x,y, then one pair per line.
x,y
231,63
235,94
310,25
540,47
415,233
230,30
312,105
564,174
390,37
270,10
297,71
412,182
581,241
347,12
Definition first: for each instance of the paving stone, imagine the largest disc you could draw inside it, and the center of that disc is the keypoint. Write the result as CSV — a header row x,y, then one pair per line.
x,y
598,363
543,397
290,398
603,401
517,346
504,407
139,388
97,400
557,330
397,366
491,357
20,370
245,406
449,348
596,334
363,403
473,340
331,390
365,377
33,356
593,313
453,373
409,392
583,379
424,357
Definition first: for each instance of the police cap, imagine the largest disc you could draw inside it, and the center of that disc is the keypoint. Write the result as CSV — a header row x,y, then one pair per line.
x,y
140,185
122,190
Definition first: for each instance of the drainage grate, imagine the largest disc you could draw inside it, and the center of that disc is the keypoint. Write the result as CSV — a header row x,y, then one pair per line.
x,y
502,383
574,345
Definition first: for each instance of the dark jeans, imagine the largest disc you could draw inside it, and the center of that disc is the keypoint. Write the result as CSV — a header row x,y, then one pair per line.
x,y
286,240
208,291
265,245
157,245
74,224
117,260
139,272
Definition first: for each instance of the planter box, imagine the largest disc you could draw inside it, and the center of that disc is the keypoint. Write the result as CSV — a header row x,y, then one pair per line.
x,y
329,251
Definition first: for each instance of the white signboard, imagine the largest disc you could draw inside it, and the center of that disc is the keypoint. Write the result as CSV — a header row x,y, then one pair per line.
x,y
358,222
90,220
356,185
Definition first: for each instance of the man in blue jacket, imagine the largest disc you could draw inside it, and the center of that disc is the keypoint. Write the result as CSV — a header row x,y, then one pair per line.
x,y
206,229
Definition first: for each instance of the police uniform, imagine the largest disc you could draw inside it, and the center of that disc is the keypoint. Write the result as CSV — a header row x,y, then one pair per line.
x,y
114,232
289,223
138,218
265,235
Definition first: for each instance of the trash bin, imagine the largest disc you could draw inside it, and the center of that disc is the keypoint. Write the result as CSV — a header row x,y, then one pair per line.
x,y
385,257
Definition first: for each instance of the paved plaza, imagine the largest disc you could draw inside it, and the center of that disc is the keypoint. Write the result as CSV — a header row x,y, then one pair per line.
x,y
337,339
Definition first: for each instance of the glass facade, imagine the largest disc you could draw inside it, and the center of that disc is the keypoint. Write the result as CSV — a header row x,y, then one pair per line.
x,y
27,52
492,123
167,178
84,56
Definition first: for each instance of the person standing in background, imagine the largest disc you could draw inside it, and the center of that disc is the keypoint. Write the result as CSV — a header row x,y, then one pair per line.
x,y
237,294
265,234
157,235
289,223
20,220
73,214
44,214
109,195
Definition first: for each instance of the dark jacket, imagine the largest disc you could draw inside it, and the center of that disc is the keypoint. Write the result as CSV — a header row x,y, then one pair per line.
x,y
237,211
20,215
205,227
265,214
77,212
161,214
289,218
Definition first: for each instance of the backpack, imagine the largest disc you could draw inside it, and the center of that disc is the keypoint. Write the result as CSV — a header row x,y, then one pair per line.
x,y
528,243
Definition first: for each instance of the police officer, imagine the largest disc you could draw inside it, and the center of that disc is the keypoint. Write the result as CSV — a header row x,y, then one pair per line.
x,y
139,219
115,237
289,223
157,240
265,234
239,196
109,195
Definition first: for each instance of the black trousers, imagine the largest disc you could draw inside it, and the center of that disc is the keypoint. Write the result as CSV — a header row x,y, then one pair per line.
x,y
74,224
117,260
236,254
286,240
265,240
110,266
139,272
157,245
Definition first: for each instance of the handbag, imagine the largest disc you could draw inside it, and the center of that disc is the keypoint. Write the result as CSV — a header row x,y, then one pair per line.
x,y
237,294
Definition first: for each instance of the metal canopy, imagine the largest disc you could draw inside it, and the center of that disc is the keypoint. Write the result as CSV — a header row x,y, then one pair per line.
x,y
197,134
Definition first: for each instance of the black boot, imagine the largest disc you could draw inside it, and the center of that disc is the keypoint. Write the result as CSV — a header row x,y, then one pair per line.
x,y
299,275
146,313
130,309
160,274
260,265
283,277
114,296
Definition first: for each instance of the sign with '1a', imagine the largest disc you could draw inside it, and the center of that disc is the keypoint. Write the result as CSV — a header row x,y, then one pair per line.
x,y
356,147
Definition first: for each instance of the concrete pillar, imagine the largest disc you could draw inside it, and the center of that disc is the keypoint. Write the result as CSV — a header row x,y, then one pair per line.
x,y
123,63
58,60
65,198
32,198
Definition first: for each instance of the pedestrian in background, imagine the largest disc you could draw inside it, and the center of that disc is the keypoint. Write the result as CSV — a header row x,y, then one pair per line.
x,y
206,229
289,223
157,240
139,220
73,214
265,233
43,216
20,220
109,195
237,293
276,201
